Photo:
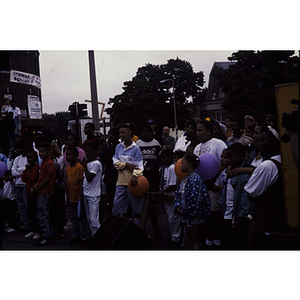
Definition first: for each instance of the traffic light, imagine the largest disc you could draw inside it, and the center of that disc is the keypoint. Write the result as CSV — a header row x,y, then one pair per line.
x,y
78,110
72,109
82,110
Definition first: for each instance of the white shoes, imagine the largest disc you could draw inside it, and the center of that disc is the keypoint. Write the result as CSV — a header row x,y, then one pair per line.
x,y
10,230
36,237
29,235
68,226
33,235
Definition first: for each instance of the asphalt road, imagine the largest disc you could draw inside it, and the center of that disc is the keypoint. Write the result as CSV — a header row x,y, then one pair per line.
x,y
16,241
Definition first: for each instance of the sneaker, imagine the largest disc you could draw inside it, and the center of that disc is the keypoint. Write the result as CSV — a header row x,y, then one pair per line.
x,y
10,230
42,242
68,226
29,235
36,237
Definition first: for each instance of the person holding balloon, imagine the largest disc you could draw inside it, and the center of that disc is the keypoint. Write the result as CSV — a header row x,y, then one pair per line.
x,y
192,201
129,163
210,146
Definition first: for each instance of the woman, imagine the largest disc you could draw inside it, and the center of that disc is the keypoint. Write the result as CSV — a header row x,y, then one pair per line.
x,y
253,160
189,137
209,144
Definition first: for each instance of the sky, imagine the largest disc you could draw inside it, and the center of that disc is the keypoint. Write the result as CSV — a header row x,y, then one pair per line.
x,y
65,74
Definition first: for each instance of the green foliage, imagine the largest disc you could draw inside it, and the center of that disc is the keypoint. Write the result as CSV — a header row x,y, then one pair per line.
x,y
250,83
145,97
57,124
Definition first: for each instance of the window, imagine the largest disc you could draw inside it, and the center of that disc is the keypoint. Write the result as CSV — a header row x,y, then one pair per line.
x,y
220,117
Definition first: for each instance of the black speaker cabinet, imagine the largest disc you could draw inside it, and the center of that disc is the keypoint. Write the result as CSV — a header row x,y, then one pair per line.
x,y
118,233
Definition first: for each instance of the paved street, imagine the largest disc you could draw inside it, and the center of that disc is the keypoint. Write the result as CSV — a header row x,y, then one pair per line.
x,y
16,241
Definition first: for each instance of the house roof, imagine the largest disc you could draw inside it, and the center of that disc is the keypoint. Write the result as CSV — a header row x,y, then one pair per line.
x,y
223,65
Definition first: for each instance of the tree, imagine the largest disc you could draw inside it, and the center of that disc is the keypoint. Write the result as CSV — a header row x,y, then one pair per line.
x,y
145,97
56,124
250,83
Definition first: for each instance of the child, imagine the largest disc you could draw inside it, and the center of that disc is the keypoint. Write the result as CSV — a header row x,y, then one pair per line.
x,y
110,173
227,200
242,207
150,149
265,189
30,176
45,188
192,201
168,189
177,155
71,142
9,193
129,163
18,167
74,184
92,185
209,144
57,211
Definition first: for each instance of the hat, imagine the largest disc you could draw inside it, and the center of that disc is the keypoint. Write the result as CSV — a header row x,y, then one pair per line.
x,y
151,121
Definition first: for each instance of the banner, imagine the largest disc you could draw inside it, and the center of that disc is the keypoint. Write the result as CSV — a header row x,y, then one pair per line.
x,y
25,78
34,107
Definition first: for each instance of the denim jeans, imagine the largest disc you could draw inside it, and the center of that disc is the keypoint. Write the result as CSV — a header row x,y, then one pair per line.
x,y
21,198
122,200
43,215
79,226
174,222
92,212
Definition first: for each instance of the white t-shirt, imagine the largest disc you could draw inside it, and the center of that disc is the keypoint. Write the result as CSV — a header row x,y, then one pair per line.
x,y
256,162
170,178
182,144
213,146
9,189
229,200
17,170
93,188
16,111
263,176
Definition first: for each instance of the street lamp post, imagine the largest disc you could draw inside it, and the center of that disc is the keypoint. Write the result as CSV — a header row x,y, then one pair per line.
x,y
174,103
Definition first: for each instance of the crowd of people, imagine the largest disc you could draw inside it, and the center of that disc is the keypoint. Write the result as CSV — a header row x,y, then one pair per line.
x,y
51,188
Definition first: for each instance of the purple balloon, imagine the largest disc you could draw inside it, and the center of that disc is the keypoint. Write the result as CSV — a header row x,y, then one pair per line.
x,y
3,168
208,167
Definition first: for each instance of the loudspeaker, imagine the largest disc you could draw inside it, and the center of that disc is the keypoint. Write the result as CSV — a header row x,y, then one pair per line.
x,y
118,233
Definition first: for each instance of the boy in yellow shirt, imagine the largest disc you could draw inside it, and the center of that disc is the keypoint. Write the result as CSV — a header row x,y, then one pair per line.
x,y
74,184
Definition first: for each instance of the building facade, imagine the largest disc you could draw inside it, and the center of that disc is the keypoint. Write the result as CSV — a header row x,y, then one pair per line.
x,y
20,81
212,107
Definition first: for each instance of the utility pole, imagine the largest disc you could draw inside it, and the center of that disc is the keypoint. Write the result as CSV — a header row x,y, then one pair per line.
x,y
94,97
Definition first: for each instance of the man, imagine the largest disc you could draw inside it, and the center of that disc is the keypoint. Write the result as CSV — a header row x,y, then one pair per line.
x,y
15,110
168,141
89,129
156,136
